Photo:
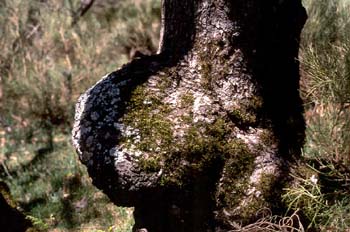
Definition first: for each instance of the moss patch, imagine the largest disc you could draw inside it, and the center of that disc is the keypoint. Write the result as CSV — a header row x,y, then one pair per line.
x,y
148,115
202,146
238,168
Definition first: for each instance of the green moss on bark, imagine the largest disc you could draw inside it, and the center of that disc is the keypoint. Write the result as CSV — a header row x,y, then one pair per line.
x,y
148,115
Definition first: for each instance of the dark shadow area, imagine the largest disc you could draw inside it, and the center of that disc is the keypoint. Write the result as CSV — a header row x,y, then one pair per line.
x,y
270,39
271,47
27,206
334,181
181,209
71,185
11,220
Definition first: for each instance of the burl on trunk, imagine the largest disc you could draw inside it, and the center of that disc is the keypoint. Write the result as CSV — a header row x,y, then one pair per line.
x,y
200,136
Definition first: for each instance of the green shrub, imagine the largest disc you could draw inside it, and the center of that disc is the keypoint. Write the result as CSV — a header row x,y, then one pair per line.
x,y
45,64
325,65
325,62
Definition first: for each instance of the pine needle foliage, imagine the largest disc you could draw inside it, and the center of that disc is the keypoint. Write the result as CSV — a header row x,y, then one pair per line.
x,y
321,192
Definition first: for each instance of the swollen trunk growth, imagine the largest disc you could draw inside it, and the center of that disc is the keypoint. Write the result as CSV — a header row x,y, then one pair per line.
x,y
200,137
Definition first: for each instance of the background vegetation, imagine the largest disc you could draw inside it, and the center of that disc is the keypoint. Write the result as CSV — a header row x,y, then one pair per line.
x,y
322,192
46,63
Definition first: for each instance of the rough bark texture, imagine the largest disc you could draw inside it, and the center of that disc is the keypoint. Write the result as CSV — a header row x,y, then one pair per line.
x,y
200,137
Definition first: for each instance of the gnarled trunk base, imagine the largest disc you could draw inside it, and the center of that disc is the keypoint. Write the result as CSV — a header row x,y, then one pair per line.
x,y
201,136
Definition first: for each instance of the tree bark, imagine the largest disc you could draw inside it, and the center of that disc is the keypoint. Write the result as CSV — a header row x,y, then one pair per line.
x,y
201,136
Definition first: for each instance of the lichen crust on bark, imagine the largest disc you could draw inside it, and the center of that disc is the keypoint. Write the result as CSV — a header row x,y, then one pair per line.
x,y
192,133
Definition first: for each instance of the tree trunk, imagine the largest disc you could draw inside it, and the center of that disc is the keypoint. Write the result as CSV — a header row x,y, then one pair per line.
x,y
200,137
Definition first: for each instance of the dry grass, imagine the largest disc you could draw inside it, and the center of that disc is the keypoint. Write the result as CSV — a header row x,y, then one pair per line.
x,y
273,224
